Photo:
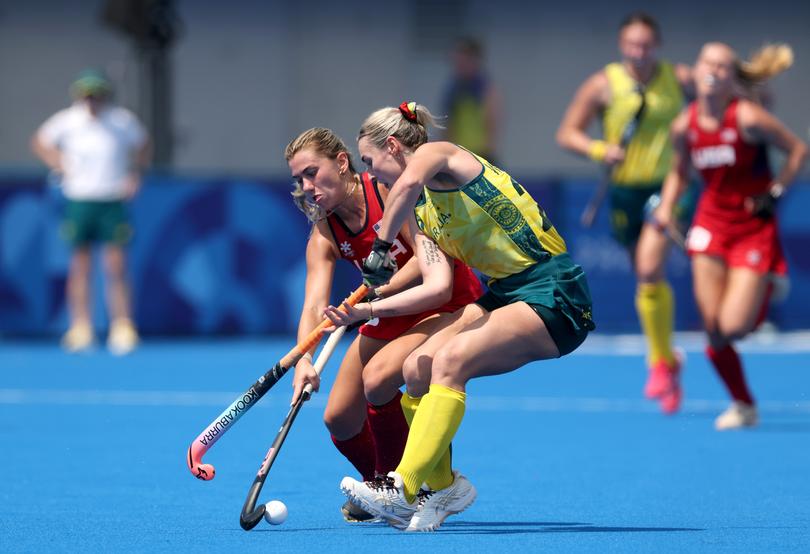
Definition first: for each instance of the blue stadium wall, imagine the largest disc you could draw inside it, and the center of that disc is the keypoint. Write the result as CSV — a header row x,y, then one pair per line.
x,y
226,256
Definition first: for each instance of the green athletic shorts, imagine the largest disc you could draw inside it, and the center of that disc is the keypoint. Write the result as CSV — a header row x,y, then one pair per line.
x,y
557,290
88,222
630,206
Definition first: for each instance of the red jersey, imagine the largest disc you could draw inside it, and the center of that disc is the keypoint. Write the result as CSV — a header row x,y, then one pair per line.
x,y
732,171
356,246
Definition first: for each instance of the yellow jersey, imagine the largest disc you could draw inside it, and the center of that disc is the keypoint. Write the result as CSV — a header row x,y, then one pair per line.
x,y
649,153
465,106
468,124
490,223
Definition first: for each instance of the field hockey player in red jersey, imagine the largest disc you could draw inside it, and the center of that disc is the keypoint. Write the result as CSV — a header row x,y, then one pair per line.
x,y
363,412
734,240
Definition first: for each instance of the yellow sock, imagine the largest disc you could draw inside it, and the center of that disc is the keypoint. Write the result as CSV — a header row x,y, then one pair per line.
x,y
434,425
409,405
656,312
442,474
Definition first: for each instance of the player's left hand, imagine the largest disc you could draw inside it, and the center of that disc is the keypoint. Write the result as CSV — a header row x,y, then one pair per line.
x,y
379,266
763,205
348,314
132,184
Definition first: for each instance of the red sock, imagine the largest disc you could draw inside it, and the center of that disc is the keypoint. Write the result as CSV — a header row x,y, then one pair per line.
x,y
390,430
729,368
360,451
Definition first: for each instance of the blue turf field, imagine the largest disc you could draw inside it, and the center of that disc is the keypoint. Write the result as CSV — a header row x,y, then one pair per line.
x,y
565,454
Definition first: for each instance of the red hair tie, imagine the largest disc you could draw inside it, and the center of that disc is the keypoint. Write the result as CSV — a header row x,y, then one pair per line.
x,y
408,111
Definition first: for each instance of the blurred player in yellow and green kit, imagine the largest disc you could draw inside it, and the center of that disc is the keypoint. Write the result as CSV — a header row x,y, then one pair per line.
x,y
646,92
472,102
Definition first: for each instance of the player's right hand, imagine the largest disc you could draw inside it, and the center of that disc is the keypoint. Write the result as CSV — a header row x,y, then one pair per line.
x,y
379,266
661,217
614,154
304,374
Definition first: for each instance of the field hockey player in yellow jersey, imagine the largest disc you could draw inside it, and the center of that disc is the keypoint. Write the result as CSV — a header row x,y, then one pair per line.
x,y
537,307
637,98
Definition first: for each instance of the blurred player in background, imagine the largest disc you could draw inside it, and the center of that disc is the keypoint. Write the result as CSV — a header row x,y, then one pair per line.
x,y
472,103
734,240
363,413
99,151
643,94
537,307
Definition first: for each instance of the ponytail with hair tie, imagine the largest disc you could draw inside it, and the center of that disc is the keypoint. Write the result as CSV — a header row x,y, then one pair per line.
x,y
408,111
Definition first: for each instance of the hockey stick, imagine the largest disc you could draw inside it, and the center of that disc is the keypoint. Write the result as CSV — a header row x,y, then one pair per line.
x,y
671,231
251,515
245,401
676,236
589,213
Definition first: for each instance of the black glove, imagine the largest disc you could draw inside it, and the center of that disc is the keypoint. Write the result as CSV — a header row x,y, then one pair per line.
x,y
763,205
379,266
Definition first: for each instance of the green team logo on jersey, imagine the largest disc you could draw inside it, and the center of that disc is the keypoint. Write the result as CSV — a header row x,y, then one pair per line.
x,y
508,217
505,213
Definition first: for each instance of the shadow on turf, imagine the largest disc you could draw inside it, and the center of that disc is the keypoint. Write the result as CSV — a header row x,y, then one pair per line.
x,y
521,527
504,528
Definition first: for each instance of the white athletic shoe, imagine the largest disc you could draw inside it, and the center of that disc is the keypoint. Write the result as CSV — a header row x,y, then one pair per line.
x,y
383,497
123,338
78,338
436,506
737,416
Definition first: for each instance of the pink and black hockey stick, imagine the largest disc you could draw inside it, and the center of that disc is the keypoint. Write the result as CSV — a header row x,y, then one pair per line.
x,y
249,398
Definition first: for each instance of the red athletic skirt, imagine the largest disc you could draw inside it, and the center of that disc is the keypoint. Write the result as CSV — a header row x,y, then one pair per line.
x,y
753,244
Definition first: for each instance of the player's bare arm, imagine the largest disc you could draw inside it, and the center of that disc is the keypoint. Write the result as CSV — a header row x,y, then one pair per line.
x,y
759,125
436,287
590,99
429,160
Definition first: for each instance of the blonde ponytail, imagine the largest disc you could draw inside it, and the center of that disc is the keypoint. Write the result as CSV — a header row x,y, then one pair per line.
x,y
408,123
767,62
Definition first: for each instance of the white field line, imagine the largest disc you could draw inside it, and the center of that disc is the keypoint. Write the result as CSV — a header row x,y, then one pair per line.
x,y
191,399
763,342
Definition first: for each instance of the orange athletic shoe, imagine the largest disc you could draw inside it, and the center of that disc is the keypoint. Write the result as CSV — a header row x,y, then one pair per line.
x,y
664,383
671,399
661,375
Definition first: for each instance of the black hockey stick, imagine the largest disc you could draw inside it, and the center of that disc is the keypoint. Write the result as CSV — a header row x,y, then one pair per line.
x,y
251,515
